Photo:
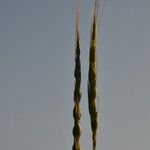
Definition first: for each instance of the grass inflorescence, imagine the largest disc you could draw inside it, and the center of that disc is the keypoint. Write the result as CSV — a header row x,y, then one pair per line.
x,y
92,76
77,90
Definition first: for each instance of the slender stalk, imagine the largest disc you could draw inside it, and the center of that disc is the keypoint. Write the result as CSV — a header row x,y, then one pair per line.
x,y
77,90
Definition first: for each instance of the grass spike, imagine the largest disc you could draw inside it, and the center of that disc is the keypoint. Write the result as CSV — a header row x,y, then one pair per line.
x,y
92,76
77,90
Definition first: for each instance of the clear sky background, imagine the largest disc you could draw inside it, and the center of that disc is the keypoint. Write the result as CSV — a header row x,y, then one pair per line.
x,y
37,41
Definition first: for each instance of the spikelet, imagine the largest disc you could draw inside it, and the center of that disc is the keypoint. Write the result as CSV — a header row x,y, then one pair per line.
x,y
92,77
77,90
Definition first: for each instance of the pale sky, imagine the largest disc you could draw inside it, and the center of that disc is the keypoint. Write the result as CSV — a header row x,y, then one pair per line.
x,y
37,43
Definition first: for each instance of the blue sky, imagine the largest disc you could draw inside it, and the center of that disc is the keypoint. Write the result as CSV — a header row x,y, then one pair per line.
x,y
37,43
